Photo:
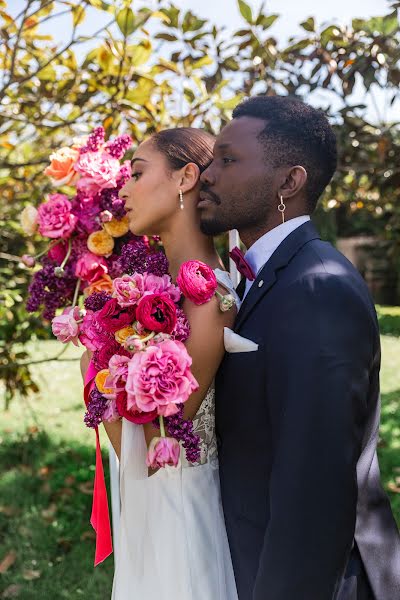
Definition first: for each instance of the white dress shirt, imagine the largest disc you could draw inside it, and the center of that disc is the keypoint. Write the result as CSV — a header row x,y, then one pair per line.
x,y
262,250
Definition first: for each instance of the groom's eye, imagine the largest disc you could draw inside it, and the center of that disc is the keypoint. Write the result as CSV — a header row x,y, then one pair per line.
x,y
227,160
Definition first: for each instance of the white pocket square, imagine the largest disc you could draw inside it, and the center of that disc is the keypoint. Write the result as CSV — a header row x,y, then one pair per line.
x,y
234,342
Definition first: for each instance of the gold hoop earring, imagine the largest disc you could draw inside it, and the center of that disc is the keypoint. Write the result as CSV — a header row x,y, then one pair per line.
x,y
181,200
282,208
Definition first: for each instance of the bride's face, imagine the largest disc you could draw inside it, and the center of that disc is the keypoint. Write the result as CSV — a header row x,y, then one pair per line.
x,y
152,194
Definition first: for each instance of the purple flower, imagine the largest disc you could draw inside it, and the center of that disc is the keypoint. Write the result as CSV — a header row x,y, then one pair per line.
x,y
136,258
119,146
95,409
50,291
95,140
182,430
110,201
96,301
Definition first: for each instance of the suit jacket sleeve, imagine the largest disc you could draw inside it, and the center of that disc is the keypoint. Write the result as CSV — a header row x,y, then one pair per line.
x,y
320,347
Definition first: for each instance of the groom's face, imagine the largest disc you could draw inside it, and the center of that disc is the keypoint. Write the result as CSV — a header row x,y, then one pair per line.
x,y
239,188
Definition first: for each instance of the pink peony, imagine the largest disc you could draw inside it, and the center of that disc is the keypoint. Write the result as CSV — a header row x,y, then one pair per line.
x,y
128,289
65,327
55,217
98,171
154,284
163,451
160,378
90,267
197,281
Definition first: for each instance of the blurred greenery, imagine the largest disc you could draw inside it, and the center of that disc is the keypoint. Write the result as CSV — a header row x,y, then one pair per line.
x,y
46,466
389,320
150,69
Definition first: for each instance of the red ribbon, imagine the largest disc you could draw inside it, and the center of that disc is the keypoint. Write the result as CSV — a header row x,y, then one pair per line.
x,y
100,517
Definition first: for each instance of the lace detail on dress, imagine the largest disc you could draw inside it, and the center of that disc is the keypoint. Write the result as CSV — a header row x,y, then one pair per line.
x,y
204,426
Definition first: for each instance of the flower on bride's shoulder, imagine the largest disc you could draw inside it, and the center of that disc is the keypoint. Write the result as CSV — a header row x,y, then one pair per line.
x,y
61,169
163,451
197,281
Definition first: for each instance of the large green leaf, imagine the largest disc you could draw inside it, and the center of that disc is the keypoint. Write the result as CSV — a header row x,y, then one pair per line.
x,y
126,21
245,11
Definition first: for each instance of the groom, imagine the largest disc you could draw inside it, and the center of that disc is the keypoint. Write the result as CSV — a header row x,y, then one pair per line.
x,y
297,419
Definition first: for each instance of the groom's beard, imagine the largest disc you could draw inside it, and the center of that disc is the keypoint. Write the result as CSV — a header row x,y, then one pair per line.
x,y
243,214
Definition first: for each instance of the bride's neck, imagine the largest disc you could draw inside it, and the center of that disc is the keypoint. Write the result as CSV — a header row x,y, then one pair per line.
x,y
184,241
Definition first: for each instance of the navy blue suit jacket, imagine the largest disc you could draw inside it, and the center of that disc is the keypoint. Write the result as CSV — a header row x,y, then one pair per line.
x,y
297,426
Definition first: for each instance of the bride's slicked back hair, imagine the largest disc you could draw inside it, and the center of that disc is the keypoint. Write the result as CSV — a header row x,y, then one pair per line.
x,y
184,145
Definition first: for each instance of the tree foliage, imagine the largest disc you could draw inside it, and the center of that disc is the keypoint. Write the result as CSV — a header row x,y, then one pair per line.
x,y
136,70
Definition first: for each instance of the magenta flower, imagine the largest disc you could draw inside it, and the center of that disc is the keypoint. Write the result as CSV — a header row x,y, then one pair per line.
x,y
197,281
65,327
160,378
55,217
90,267
98,171
118,373
163,451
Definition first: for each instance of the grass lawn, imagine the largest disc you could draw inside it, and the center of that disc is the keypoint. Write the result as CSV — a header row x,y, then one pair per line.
x,y
46,466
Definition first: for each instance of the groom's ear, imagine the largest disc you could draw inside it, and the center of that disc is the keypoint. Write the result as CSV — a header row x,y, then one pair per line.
x,y
294,182
189,177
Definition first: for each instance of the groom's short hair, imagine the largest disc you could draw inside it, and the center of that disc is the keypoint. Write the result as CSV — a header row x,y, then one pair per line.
x,y
295,134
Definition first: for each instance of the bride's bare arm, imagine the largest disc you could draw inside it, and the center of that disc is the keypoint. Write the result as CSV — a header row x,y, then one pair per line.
x,y
206,347
113,430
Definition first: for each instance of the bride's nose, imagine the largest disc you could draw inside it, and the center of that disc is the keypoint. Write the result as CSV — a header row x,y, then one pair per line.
x,y
122,194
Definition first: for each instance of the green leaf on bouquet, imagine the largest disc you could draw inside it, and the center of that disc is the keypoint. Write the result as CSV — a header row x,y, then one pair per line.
x,y
245,11
126,21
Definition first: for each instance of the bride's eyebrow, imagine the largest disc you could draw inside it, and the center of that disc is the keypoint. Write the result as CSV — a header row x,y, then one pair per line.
x,y
136,159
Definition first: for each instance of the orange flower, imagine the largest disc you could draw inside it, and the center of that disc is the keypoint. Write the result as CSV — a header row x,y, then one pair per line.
x,y
104,284
100,381
100,243
116,227
122,334
61,169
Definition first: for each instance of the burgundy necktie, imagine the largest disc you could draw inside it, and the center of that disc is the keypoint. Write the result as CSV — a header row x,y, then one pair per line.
x,y
241,264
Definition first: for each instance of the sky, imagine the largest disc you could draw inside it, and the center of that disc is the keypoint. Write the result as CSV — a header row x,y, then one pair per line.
x,y
292,12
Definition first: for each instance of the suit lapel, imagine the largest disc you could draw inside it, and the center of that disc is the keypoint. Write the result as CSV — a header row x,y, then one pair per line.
x,y
267,276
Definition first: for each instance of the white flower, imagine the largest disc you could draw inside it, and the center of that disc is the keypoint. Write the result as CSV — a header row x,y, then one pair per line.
x,y
226,302
29,219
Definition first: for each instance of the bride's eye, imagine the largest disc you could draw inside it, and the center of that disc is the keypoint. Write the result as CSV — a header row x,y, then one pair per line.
x,y
135,176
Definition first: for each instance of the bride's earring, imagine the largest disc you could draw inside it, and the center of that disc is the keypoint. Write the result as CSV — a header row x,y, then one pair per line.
x,y
181,200
282,208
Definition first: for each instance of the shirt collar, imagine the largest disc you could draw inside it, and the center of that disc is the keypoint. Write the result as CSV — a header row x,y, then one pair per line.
x,y
262,250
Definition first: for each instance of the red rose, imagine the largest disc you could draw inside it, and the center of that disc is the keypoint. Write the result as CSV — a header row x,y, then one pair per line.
x,y
132,415
157,312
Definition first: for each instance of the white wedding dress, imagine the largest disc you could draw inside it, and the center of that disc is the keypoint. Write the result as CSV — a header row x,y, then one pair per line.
x,y
173,542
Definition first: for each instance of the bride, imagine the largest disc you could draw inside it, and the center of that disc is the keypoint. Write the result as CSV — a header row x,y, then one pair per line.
x,y
173,542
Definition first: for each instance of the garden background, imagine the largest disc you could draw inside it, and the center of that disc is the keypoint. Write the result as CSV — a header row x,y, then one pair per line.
x,y
68,66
